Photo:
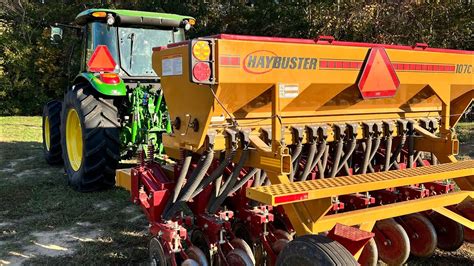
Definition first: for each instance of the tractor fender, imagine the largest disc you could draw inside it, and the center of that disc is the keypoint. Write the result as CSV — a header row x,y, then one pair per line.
x,y
118,89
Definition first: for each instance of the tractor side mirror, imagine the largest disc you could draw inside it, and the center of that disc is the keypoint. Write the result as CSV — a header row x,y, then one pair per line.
x,y
56,34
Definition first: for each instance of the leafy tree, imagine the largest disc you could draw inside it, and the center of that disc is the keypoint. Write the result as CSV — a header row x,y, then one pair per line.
x,y
32,70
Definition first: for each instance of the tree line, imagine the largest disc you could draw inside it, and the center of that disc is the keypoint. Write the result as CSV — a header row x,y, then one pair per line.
x,y
33,70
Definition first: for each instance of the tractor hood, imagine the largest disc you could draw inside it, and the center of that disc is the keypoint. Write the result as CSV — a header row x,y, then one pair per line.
x,y
134,17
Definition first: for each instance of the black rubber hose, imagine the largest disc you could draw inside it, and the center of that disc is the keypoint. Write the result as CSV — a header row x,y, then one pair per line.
x,y
348,154
309,161
418,158
197,177
337,158
267,182
229,184
263,178
393,159
319,154
258,175
244,180
368,150
182,175
322,164
180,181
375,148
411,143
295,159
388,153
216,173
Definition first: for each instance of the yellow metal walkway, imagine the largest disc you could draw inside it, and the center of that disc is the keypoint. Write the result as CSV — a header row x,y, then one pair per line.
x,y
330,187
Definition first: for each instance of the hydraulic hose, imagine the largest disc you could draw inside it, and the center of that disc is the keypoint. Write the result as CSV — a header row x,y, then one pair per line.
x,y
375,148
216,173
309,161
348,154
388,153
337,157
368,150
244,180
295,159
258,175
229,184
182,175
393,159
193,181
418,158
322,164
180,181
411,143
321,150
263,178
198,174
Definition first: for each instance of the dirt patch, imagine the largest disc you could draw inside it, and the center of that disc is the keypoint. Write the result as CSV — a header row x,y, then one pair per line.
x,y
51,244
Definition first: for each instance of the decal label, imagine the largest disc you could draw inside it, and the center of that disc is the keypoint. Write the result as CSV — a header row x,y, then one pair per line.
x,y
172,66
464,68
288,91
264,61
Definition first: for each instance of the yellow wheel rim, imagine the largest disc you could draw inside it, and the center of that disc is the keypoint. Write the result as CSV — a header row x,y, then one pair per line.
x,y
47,136
74,139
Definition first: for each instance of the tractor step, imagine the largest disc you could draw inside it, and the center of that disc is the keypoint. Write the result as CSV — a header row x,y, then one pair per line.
x,y
332,187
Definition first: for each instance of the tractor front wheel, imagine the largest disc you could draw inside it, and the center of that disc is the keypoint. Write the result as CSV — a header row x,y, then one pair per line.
x,y
89,139
51,132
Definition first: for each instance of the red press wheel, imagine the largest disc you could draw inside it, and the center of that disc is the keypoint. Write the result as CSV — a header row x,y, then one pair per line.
x,y
282,234
242,245
369,255
466,209
422,234
450,233
195,254
392,242
238,257
158,257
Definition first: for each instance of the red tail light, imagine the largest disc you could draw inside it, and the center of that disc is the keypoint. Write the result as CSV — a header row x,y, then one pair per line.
x,y
110,78
201,71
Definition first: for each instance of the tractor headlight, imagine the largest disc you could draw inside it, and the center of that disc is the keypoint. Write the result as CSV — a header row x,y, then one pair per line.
x,y
110,19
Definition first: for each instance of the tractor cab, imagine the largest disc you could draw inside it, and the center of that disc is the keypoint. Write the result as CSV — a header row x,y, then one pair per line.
x,y
115,107
129,37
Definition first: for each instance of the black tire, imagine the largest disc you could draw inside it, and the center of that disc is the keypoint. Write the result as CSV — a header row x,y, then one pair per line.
x,y
100,139
314,250
52,143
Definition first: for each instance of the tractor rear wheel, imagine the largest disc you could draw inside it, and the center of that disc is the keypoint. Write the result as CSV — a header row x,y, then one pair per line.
x,y
315,250
89,139
52,132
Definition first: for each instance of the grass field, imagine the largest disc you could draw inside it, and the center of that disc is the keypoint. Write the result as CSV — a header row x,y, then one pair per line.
x,y
43,221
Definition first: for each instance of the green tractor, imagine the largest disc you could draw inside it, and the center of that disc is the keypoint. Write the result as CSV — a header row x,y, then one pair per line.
x,y
115,104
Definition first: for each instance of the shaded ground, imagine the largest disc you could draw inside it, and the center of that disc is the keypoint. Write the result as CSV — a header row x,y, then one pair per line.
x,y
43,221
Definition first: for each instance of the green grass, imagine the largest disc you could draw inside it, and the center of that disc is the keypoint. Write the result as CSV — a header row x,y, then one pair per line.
x,y
35,199
465,131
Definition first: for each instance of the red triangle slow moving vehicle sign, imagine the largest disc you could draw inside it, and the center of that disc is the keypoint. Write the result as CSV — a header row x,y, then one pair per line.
x,y
101,60
378,79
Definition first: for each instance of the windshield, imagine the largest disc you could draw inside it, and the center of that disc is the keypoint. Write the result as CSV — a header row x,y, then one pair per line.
x,y
136,48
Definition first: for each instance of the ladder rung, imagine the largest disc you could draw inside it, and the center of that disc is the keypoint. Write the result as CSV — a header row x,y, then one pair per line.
x,y
331,187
